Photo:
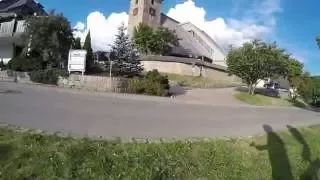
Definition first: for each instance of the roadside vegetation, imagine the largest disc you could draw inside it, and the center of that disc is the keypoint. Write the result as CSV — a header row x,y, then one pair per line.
x,y
258,60
262,100
153,83
44,55
286,155
200,82
157,41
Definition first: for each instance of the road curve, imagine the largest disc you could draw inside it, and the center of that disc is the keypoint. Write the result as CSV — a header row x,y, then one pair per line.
x,y
116,115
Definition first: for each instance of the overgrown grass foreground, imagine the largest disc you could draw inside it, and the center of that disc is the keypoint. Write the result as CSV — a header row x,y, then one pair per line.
x,y
261,100
293,154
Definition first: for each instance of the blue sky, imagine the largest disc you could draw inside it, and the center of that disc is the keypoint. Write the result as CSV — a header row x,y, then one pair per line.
x,y
293,24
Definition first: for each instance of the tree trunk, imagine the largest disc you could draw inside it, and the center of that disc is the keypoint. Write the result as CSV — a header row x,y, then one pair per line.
x,y
251,89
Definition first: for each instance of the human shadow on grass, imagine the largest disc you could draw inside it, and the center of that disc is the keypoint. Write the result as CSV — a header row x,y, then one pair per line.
x,y
313,171
281,168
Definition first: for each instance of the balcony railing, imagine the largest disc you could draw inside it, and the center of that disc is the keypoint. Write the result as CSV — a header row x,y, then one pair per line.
x,y
11,28
20,26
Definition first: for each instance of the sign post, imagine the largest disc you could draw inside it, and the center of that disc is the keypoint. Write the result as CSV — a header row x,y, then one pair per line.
x,y
110,68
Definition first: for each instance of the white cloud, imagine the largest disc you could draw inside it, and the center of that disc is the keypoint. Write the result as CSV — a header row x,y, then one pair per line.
x,y
259,21
80,26
102,29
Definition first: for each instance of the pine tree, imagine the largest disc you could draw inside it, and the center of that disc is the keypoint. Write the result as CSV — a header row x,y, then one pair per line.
x,y
87,46
124,55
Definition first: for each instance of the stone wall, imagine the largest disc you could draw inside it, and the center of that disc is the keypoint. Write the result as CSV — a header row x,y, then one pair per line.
x,y
93,83
9,75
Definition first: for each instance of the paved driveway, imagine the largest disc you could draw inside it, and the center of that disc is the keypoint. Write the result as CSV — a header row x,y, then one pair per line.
x,y
220,96
109,114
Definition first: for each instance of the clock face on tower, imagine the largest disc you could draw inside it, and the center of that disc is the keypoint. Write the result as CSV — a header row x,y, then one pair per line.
x,y
152,11
147,12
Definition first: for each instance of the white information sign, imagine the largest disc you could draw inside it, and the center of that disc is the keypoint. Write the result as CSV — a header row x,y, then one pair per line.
x,y
77,61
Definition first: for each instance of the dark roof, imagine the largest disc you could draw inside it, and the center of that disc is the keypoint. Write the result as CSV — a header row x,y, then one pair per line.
x,y
7,6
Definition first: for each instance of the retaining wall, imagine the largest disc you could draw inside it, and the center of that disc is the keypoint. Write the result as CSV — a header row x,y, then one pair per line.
x,y
186,66
92,83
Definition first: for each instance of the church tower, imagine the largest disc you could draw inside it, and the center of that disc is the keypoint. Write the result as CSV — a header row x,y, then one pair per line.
x,y
144,11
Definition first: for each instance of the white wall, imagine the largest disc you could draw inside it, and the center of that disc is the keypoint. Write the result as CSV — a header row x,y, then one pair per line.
x,y
6,53
218,55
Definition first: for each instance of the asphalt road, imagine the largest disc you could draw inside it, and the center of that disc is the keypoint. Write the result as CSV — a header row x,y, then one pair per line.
x,y
117,115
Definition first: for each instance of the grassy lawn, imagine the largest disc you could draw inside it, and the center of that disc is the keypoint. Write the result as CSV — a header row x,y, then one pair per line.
x,y
200,82
294,153
261,100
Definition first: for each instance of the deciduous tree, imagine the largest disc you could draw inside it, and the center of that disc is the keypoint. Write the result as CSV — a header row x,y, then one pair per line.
x,y
158,41
48,39
143,36
257,60
163,40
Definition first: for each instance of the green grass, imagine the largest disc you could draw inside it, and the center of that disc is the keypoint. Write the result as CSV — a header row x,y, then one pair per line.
x,y
261,100
200,82
24,155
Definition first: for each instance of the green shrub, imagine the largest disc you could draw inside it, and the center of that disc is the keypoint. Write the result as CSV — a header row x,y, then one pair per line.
x,y
47,76
156,77
152,84
155,88
25,64
136,86
95,69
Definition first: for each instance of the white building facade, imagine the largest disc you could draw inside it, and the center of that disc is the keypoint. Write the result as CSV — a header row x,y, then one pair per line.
x,y
12,25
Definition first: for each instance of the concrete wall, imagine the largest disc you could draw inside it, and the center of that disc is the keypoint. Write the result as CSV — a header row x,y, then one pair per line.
x,y
218,75
186,66
6,53
204,39
171,67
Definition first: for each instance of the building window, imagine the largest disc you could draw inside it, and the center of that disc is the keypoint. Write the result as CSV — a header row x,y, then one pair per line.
x,y
137,1
152,2
135,11
152,12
